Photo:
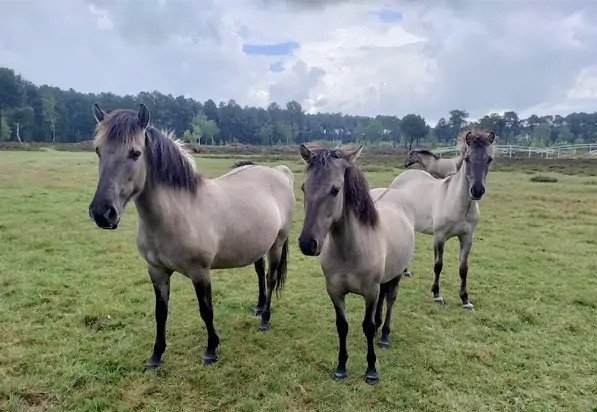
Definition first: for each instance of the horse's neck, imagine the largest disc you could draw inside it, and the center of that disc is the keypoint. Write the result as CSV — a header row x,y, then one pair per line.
x,y
428,162
344,234
458,191
157,205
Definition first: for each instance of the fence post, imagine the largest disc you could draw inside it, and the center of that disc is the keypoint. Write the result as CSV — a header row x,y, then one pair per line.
x,y
529,152
510,151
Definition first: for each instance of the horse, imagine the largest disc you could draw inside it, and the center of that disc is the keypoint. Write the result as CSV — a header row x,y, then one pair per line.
x,y
186,222
363,246
447,208
433,164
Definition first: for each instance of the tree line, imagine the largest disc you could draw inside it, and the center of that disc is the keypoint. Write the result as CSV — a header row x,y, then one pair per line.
x,y
31,113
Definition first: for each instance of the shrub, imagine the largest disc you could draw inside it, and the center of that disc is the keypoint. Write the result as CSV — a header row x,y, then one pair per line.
x,y
544,179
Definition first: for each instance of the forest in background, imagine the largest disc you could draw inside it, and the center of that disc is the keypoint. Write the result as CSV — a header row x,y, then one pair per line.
x,y
31,113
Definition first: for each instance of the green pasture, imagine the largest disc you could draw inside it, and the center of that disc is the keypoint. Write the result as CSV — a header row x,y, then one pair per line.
x,y
77,322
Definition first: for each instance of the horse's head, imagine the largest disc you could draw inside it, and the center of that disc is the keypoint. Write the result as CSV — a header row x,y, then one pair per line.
x,y
331,180
411,158
477,156
120,145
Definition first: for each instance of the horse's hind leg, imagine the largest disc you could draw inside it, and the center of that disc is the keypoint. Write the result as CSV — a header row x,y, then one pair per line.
x,y
275,274
371,296
202,284
379,309
466,243
161,286
438,254
391,293
260,269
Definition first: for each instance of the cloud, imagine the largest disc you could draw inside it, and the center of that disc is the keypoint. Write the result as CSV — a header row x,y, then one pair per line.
x,y
360,57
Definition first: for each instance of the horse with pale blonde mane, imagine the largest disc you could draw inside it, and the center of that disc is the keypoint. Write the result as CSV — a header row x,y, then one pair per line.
x,y
436,166
186,222
447,208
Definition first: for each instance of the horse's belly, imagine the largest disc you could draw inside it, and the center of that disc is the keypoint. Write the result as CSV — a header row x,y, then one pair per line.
x,y
245,248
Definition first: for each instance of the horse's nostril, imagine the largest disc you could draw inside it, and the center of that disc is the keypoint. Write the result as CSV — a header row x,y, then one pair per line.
x,y
314,245
112,214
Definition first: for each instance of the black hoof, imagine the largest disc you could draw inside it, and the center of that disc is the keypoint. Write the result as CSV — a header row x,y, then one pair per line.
x,y
257,311
371,378
209,358
150,368
338,376
263,327
383,344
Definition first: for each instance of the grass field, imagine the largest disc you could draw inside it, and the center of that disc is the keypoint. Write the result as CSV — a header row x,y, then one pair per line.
x,y
76,309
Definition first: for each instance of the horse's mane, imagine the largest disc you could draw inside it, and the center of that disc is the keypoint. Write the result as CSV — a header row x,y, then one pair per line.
x,y
168,162
479,136
423,151
356,187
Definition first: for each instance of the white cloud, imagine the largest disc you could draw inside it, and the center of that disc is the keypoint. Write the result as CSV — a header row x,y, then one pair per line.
x,y
478,56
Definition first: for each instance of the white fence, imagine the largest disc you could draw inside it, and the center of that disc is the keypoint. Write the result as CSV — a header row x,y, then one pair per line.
x,y
518,151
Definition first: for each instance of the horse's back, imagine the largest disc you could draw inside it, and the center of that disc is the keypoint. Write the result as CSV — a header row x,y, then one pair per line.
x,y
397,230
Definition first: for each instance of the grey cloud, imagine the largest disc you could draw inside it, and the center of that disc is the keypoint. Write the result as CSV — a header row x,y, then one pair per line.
x,y
297,84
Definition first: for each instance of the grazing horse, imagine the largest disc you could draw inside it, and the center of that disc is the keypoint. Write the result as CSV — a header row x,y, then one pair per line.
x,y
186,222
448,207
433,164
363,246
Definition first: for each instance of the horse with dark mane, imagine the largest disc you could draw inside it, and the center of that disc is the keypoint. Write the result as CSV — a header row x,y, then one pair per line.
x,y
364,246
188,223
448,207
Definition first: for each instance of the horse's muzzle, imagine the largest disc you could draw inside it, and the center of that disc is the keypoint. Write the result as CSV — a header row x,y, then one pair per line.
x,y
477,192
105,216
309,246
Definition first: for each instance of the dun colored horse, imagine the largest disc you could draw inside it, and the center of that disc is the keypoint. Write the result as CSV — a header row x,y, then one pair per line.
x,y
448,207
433,164
363,246
186,222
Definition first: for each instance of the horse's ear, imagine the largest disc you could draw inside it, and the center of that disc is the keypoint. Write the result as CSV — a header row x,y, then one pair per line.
x,y
143,116
468,138
305,153
352,156
491,137
98,113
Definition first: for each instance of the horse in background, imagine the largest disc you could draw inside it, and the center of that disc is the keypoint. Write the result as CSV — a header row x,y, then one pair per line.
x,y
433,164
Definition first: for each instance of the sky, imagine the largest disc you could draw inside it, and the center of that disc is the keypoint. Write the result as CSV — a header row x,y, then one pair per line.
x,y
390,57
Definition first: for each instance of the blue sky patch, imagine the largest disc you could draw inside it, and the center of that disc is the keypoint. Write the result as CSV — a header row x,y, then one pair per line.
x,y
280,49
276,67
389,16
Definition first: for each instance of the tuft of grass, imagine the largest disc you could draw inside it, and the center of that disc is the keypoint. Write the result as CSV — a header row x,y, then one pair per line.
x,y
78,324
543,179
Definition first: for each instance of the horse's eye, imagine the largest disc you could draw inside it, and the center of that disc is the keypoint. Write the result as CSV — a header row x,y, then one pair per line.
x,y
135,154
303,187
489,159
466,159
334,191
97,151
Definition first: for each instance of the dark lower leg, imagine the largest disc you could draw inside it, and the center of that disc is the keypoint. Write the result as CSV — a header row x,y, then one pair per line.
x,y
203,291
260,269
274,261
342,328
465,247
369,331
438,253
161,287
379,309
391,293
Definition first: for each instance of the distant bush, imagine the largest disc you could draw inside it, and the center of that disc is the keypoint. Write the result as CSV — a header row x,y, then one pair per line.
x,y
544,179
28,147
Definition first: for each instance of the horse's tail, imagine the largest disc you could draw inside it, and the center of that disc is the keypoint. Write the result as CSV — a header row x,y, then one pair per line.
x,y
282,268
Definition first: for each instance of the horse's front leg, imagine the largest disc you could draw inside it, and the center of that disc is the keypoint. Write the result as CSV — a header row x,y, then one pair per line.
x,y
391,293
260,269
371,295
202,283
338,299
438,265
160,278
466,243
